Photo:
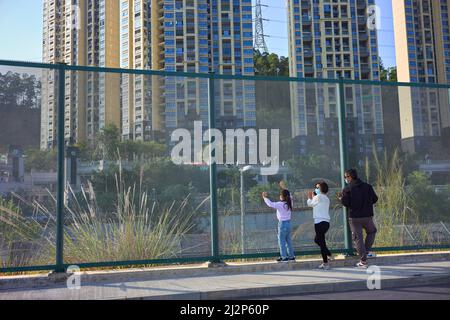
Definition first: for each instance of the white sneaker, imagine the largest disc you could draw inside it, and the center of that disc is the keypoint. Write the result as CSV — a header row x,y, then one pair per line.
x,y
371,255
362,265
324,266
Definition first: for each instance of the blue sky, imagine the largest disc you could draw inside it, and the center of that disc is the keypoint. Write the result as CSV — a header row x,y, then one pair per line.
x,y
21,29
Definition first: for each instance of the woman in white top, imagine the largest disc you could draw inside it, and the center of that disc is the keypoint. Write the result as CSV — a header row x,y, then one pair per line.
x,y
320,203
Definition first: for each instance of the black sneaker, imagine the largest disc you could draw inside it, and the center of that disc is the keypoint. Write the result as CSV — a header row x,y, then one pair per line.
x,y
291,259
282,260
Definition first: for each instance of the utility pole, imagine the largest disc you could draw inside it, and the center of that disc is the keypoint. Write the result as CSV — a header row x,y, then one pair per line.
x,y
260,41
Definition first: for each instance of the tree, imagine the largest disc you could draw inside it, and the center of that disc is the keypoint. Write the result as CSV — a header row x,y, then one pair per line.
x,y
141,150
392,74
109,139
308,169
273,97
40,160
269,64
387,74
425,201
254,194
19,90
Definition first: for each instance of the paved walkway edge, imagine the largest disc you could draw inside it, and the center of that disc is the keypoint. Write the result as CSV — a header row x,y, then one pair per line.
x,y
126,275
308,288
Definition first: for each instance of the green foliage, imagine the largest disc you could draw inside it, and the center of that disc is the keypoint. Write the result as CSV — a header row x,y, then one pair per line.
x,y
389,74
405,205
108,142
162,172
269,64
40,160
18,232
254,194
133,230
228,197
109,146
392,210
141,150
176,193
392,74
308,169
430,205
171,182
19,89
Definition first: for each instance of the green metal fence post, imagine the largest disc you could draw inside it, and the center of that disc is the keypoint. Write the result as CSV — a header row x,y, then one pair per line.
x,y
60,186
344,163
213,174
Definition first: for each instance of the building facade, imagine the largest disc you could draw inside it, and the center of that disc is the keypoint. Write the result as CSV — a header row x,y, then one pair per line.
x,y
334,39
86,33
198,36
422,39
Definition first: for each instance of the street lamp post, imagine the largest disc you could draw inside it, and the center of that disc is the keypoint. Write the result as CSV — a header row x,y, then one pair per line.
x,y
242,171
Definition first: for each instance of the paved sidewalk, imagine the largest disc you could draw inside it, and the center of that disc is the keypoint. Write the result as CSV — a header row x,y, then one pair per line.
x,y
429,292
245,285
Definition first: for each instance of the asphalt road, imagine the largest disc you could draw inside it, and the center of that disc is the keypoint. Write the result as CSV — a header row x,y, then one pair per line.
x,y
434,292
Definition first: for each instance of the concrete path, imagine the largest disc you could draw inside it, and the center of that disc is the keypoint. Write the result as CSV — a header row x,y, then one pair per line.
x,y
430,292
245,285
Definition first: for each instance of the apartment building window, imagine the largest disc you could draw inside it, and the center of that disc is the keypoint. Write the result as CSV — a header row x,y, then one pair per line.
x,y
327,11
328,28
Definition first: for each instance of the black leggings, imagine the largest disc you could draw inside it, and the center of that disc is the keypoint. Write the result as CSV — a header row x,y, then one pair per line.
x,y
321,230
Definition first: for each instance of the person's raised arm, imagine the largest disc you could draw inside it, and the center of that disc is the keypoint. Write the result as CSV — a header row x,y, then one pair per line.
x,y
268,202
312,200
346,198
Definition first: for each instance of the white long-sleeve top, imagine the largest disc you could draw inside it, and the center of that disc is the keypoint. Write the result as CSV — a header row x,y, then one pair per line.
x,y
283,211
321,208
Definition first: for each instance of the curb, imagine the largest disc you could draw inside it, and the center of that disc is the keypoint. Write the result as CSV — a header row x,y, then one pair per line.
x,y
309,288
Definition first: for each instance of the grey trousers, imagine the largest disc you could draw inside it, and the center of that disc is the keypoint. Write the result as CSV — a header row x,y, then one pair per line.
x,y
357,225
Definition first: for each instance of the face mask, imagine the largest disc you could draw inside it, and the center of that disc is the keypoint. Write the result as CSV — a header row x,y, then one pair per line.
x,y
317,191
346,181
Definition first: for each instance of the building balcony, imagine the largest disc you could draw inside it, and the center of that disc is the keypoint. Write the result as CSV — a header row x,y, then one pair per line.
x,y
307,36
361,4
308,69
306,20
365,68
363,36
364,52
307,53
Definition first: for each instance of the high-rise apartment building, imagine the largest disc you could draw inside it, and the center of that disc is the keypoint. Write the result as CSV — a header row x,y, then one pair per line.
x,y
80,32
334,39
422,40
185,36
136,53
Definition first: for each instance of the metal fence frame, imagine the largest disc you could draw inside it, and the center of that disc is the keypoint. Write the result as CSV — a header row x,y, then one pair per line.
x,y
215,256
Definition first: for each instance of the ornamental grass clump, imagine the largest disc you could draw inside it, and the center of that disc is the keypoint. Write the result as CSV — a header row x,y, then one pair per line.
x,y
136,230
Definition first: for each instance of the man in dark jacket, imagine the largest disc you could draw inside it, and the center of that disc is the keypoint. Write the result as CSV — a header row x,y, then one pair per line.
x,y
359,197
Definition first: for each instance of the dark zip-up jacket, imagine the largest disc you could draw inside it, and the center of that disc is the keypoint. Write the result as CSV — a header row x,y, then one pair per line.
x,y
359,197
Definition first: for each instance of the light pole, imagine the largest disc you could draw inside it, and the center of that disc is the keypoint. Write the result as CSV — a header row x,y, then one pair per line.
x,y
242,170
